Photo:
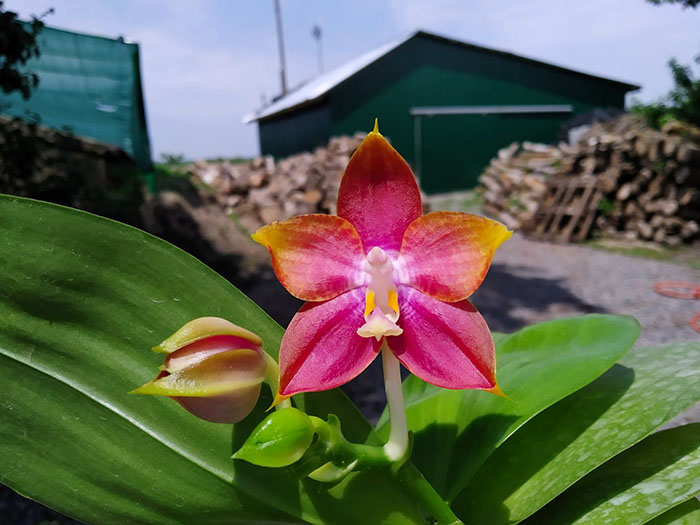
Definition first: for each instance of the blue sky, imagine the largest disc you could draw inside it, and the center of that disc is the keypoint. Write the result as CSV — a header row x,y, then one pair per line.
x,y
206,63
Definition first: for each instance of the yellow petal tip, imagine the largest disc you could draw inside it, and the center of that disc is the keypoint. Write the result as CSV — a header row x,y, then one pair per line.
x,y
496,390
376,126
258,237
142,390
278,399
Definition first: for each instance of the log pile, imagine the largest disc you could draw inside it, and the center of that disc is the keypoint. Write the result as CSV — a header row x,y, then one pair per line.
x,y
263,191
514,182
649,179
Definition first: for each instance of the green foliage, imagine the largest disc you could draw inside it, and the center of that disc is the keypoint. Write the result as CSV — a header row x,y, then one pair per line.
x,y
18,44
687,513
684,3
640,483
84,298
172,158
682,103
456,430
606,206
581,432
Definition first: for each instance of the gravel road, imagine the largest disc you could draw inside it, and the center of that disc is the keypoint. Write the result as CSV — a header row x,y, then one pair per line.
x,y
534,281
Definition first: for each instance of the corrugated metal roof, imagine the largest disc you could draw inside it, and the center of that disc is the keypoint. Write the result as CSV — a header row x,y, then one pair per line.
x,y
319,86
322,84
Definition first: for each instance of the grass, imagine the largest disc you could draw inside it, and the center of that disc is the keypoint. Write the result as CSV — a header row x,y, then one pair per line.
x,y
467,201
686,255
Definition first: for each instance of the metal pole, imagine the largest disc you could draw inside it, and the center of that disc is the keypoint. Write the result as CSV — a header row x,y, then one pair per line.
x,y
317,34
280,40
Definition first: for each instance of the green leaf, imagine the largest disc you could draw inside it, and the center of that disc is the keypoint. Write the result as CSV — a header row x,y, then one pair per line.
x,y
687,513
279,440
568,440
635,486
82,301
456,431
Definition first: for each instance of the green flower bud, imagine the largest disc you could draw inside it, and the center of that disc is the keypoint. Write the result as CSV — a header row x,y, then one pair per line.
x,y
279,440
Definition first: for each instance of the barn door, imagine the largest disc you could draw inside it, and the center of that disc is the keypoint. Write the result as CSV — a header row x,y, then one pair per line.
x,y
453,150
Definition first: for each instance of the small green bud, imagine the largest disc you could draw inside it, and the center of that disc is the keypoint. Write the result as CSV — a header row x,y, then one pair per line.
x,y
279,440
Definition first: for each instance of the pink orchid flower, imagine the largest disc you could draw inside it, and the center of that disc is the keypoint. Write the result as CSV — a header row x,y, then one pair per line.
x,y
379,272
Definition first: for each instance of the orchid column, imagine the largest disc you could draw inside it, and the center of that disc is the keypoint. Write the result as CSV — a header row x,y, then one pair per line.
x,y
382,276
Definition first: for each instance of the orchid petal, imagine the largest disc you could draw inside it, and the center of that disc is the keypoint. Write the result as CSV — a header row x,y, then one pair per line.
x,y
446,344
315,257
196,352
321,348
218,374
446,254
205,327
225,408
379,194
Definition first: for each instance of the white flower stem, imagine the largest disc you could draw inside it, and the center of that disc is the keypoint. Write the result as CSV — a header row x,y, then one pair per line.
x,y
397,445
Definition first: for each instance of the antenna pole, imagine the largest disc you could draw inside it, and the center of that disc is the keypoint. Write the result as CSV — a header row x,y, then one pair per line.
x,y
280,40
317,34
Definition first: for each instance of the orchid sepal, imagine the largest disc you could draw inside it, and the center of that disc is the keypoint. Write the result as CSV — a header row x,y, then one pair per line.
x,y
331,472
204,327
379,194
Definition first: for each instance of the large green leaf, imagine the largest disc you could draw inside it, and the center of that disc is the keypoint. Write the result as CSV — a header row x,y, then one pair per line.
x,y
82,299
661,471
568,440
456,431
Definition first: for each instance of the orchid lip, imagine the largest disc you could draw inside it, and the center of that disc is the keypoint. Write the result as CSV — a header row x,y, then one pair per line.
x,y
381,308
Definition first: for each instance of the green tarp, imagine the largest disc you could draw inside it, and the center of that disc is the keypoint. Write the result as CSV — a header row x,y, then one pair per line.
x,y
91,86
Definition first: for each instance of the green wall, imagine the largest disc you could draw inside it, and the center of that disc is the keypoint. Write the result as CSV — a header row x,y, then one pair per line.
x,y
300,130
90,85
428,71
456,159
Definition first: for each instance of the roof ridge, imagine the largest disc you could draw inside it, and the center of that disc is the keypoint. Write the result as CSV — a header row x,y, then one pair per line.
x,y
315,88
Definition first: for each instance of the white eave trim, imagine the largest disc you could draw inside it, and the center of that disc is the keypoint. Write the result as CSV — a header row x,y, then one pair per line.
x,y
429,111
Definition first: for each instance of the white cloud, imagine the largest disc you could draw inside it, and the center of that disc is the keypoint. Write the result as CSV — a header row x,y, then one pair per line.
x,y
629,40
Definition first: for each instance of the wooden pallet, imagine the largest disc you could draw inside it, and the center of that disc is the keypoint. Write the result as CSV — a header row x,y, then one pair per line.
x,y
567,209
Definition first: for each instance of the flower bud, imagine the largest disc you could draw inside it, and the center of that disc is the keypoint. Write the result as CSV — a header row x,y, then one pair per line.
x,y
280,439
214,369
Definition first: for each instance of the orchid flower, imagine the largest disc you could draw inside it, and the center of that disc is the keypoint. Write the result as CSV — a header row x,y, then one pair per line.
x,y
382,275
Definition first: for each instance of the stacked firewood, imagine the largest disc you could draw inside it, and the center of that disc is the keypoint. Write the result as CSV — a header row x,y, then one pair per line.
x,y
514,182
649,180
263,191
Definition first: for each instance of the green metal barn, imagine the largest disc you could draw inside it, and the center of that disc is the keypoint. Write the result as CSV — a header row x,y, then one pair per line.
x,y
89,85
446,105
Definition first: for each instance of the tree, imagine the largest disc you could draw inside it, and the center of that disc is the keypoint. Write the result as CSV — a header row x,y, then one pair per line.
x,y
684,3
685,97
18,44
682,103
